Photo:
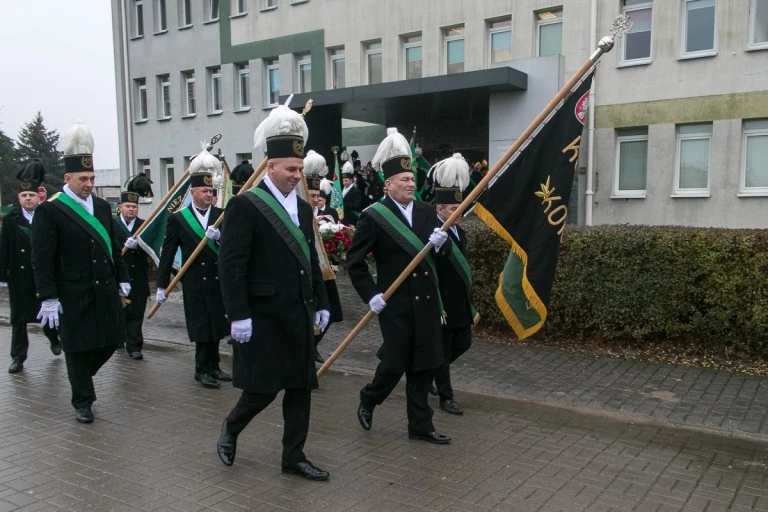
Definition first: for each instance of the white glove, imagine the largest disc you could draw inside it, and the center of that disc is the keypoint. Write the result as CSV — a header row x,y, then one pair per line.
x,y
160,296
438,238
49,313
3,284
131,243
321,319
242,330
377,303
125,289
212,233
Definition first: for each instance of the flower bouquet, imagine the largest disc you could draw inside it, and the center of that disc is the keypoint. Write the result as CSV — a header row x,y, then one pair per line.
x,y
336,239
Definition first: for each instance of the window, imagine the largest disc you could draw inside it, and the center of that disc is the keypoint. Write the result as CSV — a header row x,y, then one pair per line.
x,y
273,82
241,6
303,73
211,10
161,22
214,88
631,163
188,93
754,169
373,63
337,68
454,49
164,96
500,41
636,44
549,27
242,86
144,167
185,13
692,169
699,23
268,4
137,15
758,24
412,56
170,175
140,87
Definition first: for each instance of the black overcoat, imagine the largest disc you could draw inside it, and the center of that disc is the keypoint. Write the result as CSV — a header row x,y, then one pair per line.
x,y
262,278
203,307
456,295
72,263
137,262
16,267
353,204
410,324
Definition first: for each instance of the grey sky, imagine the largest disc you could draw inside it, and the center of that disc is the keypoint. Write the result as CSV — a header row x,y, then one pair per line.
x,y
57,58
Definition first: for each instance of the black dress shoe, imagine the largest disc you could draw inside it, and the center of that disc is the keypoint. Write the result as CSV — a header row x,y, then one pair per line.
x,y
207,381
136,355
307,470
16,365
431,437
84,415
433,391
221,375
365,416
56,349
226,446
318,358
451,407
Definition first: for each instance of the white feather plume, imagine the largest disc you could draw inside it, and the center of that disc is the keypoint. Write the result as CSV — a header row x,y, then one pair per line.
x,y
204,161
78,139
394,145
451,172
347,168
326,186
314,163
280,121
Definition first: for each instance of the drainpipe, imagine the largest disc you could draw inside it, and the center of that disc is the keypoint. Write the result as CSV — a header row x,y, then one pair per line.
x,y
589,194
127,125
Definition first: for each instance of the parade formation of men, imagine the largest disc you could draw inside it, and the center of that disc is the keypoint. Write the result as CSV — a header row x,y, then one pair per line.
x,y
263,278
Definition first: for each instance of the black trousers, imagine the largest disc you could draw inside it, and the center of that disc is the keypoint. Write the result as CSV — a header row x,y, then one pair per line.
x,y
81,367
206,357
457,341
416,389
296,404
133,326
20,340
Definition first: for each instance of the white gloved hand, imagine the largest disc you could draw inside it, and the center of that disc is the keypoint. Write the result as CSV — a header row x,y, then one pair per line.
x,y
438,238
160,296
321,319
377,303
242,330
131,243
3,284
125,289
49,313
212,233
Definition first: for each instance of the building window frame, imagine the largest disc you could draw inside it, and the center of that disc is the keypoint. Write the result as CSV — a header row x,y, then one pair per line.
x,y
337,55
168,174
628,10
450,39
212,9
546,18
752,129
688,134
268,5
188,93
142,108
753,19
137,19
184,9
241,7
630,136
372,49
161,16
215,105
163,97
498,27
303,71
410,42
272,69
242,86
706,52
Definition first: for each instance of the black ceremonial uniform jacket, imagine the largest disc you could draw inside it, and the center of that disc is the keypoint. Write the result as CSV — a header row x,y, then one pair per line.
x,y
353,204
16,267
203,307
410,324
266,276
454,289
72,262
137,262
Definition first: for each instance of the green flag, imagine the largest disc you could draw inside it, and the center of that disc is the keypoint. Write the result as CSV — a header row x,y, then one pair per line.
x,y
337,198
420,166
151,238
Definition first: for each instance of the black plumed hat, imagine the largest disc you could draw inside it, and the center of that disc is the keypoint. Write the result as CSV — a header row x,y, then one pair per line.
x,y
31,176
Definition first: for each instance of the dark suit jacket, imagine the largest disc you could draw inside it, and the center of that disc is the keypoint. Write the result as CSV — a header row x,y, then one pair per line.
x,y
353,205
457,299
16,267
329,211
137,262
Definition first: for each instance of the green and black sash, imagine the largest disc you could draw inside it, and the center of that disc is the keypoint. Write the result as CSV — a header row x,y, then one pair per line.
x,y
123,227
281,221
461,265
80,215
197,230
24,230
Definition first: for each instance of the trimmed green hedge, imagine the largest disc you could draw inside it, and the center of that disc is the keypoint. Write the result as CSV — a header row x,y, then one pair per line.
x,y
636,283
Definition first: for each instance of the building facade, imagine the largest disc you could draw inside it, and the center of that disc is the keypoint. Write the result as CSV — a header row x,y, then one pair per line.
x,y
679,131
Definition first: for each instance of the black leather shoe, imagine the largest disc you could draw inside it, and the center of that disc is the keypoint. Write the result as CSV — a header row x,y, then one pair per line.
x,y
433,391
431,437
226,446
318,358
84,415
207,381
136,355
56,349
16,365
451,407
307,470
365,416
221,375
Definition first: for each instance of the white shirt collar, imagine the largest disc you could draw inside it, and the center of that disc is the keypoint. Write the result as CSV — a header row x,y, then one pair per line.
x,y
85,203
288,202
347,189
202,219
407,211
128,225
28,215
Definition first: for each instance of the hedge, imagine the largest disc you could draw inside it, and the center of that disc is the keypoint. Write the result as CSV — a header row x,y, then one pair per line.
x,y
639,283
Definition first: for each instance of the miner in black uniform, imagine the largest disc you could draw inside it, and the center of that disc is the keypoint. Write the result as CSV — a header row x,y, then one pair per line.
x,y
273,289
16,266
353,198
203,305
395,230
79,273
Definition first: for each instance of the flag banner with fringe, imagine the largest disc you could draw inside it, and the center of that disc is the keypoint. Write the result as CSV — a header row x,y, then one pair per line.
x,y
527,205
151,239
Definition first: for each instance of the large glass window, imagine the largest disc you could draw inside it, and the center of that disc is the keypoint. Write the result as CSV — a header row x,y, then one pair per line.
x,y
164,96
190,108
304,73
454,49
241,6
185,13
211,10
273,82
337,68
631,168
161,22
636,44
500,41
140,89
214,88
692,170
754,169
412,56
137,18
373,62
758,24
699,26
242,86
549,28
